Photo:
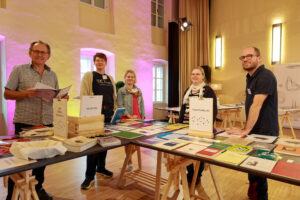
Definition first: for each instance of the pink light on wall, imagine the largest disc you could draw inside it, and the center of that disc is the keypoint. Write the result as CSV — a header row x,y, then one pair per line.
x,y
16,54
143,69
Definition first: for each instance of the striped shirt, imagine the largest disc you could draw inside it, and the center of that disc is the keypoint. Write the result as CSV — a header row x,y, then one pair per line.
x,y
32,111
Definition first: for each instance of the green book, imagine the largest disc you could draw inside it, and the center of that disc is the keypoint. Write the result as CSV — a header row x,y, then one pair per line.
x,y
240,149
220,145
266,155
127,135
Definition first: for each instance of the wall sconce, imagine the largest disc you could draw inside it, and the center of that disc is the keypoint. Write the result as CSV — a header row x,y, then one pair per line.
x,y
218,52
276,43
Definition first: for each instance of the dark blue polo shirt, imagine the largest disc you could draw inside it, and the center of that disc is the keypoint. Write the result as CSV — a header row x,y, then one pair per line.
x,y
263,81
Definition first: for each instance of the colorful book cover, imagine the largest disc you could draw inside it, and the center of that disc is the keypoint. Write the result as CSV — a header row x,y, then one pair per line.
x,y
187,138
118,114
169,136
242,149
262,138
152,127
171,144
109,131
220,145
290,158
209,152
287,150
140,125
159,123
265,154
237,140
225,134
205,141
259,164
145,131
127,135
191,148
183,131
291,170
231,157
263,146
176,126
152,140
288,142
121,128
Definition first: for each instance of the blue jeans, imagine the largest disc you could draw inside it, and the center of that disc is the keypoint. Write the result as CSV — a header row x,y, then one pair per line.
x,y
262,186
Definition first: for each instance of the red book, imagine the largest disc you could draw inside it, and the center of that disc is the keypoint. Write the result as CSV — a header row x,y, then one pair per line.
x,y
209,152
291,170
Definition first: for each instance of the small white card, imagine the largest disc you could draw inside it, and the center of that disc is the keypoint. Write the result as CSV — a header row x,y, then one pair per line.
x,y
201,114
91,105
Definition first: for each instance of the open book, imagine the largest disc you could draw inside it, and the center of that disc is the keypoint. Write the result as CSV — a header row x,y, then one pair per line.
x,y
48,93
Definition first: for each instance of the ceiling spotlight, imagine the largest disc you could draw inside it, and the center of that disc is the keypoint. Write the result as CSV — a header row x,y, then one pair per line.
x,y
185,25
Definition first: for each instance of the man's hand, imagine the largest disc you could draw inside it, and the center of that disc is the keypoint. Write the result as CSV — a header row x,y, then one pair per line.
x,y
30,93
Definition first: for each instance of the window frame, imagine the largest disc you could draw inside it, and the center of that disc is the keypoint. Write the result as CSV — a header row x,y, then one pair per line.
x,y
164,80
156,14
106,4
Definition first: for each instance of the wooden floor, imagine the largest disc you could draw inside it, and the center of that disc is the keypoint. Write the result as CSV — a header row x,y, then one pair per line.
x,y
63,181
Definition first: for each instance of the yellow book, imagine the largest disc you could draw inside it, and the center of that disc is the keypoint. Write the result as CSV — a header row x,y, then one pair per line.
x,y
231,157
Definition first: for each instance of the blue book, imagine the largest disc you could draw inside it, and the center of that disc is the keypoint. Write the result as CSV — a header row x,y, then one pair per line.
x,y
119,113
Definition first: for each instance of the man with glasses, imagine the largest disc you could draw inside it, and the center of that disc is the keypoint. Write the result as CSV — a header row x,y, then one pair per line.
x,y
261,110
31,110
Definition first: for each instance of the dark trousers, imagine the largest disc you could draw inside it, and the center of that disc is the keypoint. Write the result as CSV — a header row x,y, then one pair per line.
x,y
38,172
261,187
96,162
190,173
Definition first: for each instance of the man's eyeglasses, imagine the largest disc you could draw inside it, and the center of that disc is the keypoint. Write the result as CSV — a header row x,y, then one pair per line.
x,y
248,56
39,52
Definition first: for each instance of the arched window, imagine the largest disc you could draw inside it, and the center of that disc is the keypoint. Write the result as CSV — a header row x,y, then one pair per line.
x,y
87,63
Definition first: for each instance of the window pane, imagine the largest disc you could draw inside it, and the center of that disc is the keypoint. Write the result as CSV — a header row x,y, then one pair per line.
x,y
153,7
159,95
160,22
85,65
154,95
153,20
153,71
160,72
161,1
99,3
159,84
160,10
87,1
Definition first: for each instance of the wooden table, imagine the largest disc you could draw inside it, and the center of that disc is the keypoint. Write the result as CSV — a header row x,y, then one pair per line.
x,y
286,117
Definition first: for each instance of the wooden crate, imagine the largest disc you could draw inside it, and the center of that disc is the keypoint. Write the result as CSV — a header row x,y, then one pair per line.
x,y
86,126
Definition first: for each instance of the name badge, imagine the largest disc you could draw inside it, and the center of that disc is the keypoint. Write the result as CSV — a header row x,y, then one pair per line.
x,y
248,91
104,77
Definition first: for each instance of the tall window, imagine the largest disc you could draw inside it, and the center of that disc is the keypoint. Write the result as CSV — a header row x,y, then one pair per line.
x,y
160,81
86,65
97,3
157,13
3,103
87,62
